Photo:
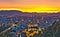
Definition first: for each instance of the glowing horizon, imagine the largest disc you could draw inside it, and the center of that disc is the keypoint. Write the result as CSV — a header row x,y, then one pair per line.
x,y
38,10
31,5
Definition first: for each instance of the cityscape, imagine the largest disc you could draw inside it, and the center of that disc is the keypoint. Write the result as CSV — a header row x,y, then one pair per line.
x,y
14,23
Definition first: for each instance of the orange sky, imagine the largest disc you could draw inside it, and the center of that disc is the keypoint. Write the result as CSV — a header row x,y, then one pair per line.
x,y
31,5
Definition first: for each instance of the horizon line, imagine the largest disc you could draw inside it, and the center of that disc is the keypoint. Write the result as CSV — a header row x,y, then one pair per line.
x,y
32,11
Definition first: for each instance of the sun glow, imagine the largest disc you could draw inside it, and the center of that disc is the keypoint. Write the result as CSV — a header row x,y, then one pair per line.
x,y
37,10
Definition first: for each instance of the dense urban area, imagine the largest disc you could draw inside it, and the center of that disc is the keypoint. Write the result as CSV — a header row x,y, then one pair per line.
x,y
15,23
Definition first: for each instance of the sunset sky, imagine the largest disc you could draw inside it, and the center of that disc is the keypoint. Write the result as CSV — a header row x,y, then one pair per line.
x,y
31,5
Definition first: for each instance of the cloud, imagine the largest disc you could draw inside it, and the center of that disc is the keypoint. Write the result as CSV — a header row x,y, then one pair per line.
x,y
19,1
28,1
9,1
53,0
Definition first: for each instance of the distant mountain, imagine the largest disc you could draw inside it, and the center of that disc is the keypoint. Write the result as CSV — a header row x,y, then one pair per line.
x,y
13,13
9,12
20,13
